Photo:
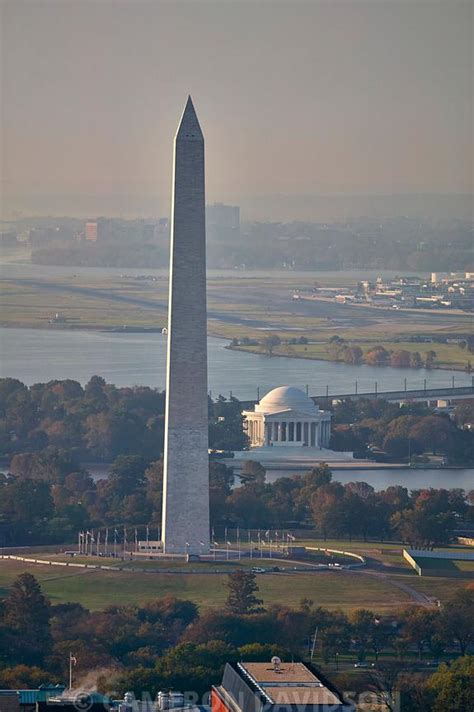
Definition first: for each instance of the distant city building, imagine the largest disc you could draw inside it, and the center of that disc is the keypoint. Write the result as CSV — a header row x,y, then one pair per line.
x,y
91,231
287,417
222,221
275,687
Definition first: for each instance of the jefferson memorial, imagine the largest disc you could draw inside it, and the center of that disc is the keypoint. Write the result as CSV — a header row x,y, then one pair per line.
x,y
287,417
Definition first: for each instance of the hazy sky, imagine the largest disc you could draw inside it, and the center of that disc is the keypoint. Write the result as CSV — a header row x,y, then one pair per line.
x,y
293,97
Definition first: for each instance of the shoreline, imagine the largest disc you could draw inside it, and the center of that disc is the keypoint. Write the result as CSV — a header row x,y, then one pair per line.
x,y
342,465
342,363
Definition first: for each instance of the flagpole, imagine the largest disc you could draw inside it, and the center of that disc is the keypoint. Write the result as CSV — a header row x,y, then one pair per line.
x,y
70,670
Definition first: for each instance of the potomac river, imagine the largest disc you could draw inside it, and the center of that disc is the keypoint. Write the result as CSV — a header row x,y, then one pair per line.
x,y
127,359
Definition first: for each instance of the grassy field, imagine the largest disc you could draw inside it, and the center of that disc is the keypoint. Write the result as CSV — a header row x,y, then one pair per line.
x,y
97,589
387,583
451,567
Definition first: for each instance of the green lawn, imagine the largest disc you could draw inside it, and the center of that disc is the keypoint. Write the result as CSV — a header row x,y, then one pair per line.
x,y
436,586
97,589
450,566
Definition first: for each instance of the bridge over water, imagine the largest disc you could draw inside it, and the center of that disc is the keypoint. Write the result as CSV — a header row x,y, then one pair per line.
x,y
419,395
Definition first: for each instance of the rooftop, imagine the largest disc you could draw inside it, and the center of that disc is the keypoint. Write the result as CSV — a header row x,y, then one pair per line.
x,y
286,398
292,683
276,687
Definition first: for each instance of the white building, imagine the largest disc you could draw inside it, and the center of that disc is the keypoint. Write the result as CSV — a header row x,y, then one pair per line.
x,y
287,417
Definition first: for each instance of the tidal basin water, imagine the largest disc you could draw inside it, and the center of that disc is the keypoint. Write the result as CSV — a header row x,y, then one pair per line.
x,y
447,478
38,356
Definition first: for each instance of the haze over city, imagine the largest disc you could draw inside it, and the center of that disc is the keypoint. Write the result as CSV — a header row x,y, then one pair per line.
x,y
236,356
298,99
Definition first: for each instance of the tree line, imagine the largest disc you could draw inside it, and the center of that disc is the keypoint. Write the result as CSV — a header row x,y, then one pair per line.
x,y
48,498
403,432
100,421
340,350
420,517
167,643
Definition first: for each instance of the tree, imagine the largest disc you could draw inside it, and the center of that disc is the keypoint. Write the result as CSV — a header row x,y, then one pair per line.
x,y
270,342
318,476
400,359
254,471
25,504
326,505
377,356
464,413
95,391
27,614
247,507
261,651
242,586
419,625
384,680
154,488
434,432
226,424
363,623
430,358
221,479
415,360
353,354
453,686
26,677
422,528
457,618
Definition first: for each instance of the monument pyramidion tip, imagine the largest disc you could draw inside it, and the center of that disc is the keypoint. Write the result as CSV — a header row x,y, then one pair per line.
x,y
189,128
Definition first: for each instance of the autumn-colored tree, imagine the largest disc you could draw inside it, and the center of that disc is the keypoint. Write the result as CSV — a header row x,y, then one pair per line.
x,y
453,686
433,432
254,471
377,356
400,359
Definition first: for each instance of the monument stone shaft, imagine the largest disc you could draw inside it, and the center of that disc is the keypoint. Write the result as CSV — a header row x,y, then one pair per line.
x,y
186,462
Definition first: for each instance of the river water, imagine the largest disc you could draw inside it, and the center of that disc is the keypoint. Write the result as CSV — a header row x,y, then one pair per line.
x,y
380,479
37,355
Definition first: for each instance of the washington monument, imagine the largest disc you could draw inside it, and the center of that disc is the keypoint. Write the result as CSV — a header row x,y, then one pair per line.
x,y
186,461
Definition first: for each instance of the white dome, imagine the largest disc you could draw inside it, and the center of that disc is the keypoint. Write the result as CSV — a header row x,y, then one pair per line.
x,y
285,398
